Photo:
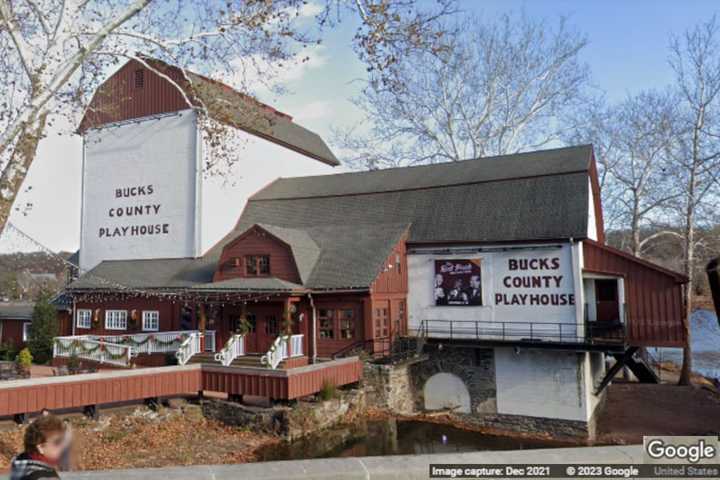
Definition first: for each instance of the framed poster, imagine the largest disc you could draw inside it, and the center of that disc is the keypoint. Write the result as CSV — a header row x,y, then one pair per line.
x,y
458,282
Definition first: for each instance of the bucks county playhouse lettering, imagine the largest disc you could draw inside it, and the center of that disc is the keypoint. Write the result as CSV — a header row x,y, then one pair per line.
x,y
134,211
532,282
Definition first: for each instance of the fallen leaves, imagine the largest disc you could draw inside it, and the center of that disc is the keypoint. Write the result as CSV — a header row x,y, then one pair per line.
x,y
148,439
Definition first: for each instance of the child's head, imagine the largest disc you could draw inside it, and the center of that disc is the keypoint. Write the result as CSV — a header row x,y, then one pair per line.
x,y
46,436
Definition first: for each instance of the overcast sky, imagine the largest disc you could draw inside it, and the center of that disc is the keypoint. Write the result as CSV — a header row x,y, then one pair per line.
x,y
627,52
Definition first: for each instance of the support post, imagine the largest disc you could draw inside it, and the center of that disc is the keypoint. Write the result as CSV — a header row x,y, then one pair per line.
x,y
90,411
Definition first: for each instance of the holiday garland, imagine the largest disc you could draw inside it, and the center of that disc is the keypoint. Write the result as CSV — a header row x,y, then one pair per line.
x,y
78,346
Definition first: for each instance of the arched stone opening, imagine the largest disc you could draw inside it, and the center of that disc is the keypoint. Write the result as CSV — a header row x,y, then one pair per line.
x,y
444,391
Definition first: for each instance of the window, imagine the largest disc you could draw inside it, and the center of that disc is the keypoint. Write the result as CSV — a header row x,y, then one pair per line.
x,y
26,331
347,323
264,265
381,322
84,318
151,321
398,264
400,319
257,265
139,78
116,320
327,323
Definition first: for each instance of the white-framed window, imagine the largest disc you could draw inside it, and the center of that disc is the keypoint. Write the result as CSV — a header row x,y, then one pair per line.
x,y
115,319
26,331
151,321
84,318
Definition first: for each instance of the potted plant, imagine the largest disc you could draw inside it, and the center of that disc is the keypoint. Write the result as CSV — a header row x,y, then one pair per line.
x,y
24,362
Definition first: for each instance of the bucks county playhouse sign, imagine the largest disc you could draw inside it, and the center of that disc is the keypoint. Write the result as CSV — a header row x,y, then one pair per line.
x,y
131,213
533,282
141,191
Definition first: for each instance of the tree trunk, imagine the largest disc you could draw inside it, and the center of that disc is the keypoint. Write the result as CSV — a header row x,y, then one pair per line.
x,y
17,167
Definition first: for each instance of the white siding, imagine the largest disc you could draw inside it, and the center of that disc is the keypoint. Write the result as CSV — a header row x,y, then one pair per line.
x,y
157,155
496,274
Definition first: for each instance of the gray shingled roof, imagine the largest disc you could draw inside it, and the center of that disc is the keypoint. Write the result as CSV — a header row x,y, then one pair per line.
x,y
531,196
342,227
16,311
304,249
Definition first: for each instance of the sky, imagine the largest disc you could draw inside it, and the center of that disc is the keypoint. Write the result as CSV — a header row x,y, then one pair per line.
x,y
627,52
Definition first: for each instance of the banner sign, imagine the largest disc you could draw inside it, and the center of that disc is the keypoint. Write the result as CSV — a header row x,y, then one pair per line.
x,y
458,282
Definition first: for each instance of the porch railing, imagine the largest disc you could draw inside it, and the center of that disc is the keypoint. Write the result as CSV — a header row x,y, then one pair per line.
x,y
149,342
235,347
296,345
94,350
284,346
277,353
189,347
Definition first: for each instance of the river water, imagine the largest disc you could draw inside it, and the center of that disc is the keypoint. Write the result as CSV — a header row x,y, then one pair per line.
x,y
394,437
705,337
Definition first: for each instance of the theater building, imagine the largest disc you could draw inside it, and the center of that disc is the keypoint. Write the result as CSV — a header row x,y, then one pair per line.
x,y
495,270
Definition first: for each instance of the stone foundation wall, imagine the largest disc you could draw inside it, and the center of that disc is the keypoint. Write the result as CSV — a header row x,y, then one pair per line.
x,y
400,389
289,422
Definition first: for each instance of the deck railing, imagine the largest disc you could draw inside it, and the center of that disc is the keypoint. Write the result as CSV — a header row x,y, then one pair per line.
x,y
189,347
90,349
296,345
235,347
145,343
553,332
149,342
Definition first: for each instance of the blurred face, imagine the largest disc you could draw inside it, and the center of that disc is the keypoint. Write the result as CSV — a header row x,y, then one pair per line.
x,y
438,280
53,447
475,282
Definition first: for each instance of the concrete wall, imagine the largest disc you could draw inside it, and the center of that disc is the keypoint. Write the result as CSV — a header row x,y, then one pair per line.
x,y
502,302
541,383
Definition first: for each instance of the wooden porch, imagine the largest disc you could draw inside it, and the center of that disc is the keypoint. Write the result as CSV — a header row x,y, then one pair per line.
x,y
88,391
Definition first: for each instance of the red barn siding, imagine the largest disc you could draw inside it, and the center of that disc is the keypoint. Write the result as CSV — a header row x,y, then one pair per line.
x,y
27,396
118,99
653,296
257,242
389,291
12,332
169,315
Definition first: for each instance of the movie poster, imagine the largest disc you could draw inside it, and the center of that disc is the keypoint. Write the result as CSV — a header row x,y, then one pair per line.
x,y
458,282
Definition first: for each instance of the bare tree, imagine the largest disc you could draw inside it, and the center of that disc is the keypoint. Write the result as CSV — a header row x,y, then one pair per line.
x,y
634,138
499,87
695,59
54,54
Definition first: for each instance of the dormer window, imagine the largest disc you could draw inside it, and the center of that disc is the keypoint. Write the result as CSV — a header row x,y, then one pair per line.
x,y
257,265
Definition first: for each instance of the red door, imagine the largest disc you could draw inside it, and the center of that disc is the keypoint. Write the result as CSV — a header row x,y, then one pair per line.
x,y
265,321
608,306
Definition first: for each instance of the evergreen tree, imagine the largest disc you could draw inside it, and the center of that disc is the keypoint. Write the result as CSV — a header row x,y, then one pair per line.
x,y
43,330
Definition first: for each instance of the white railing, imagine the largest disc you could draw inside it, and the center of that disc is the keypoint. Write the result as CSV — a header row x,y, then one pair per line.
x,y
94,350
235,347
296,345
149,342
277,353
189,347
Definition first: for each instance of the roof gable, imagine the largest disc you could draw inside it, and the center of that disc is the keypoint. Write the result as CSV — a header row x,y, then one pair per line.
x,y
118,99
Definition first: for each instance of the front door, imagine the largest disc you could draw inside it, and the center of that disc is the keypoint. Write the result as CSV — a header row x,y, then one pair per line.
x,y
265,320
608,306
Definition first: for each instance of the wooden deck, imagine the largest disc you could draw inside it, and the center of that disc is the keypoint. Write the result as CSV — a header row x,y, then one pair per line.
x,y
19,397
